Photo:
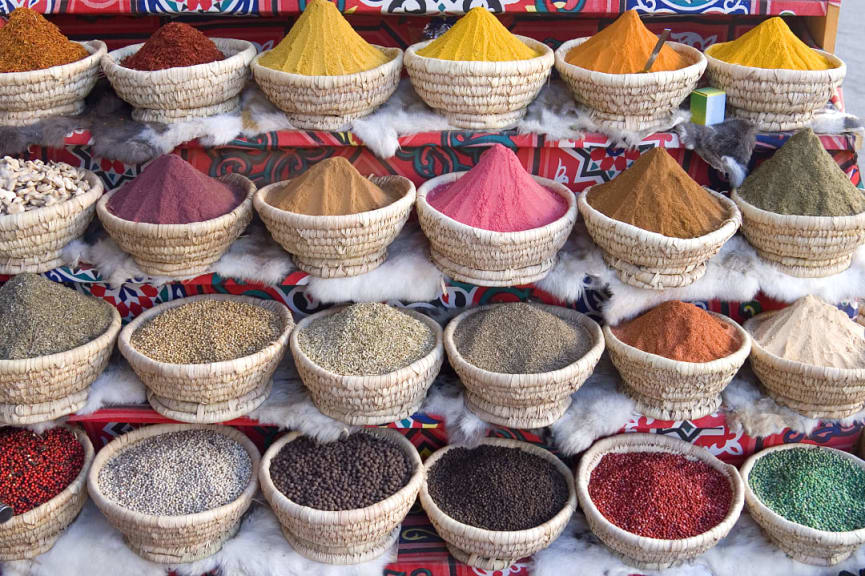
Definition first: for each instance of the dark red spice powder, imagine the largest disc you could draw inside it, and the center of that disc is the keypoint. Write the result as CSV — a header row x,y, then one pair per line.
x,y
174,45
35,468
659,495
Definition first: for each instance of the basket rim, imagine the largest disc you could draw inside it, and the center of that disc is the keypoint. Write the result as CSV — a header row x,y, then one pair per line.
x,y
395,58
243,53
798,221
648,78
545,59
781,74
96,48
56,211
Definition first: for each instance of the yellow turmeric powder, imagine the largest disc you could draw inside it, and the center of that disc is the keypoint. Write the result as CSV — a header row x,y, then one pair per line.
x,y
624,47
478,36
770,45
323,43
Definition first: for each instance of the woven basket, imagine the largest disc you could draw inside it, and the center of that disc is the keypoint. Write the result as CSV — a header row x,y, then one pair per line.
x,y
650,260
775,100
808,545
803,246
672,390
632,101
329,102
47,387
368,400
33,241
27,97
207,393
524,400
479,95
174,539
343,536
33,533
640,551
180,249
338,246
814,391
182,93
494,549
488,258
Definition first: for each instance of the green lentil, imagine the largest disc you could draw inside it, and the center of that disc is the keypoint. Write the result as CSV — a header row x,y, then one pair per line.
x,y
817,488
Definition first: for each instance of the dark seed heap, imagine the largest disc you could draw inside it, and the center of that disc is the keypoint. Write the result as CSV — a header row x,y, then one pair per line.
x,y
351,473
497,488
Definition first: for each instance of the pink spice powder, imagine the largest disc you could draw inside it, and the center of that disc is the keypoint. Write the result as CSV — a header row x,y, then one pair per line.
x,y
499,195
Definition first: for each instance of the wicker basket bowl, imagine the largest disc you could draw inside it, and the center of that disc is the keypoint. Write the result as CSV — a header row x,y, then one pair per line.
x,y
493,549
488,258
33,241
27,97
45,388
803,246
640,551
207,393
524,400
174,539
814,391
329,102
669,389
479,95
338,246
775,100
368,400
650,260
33,533
180,249
182,93
343,536
804,544
631,101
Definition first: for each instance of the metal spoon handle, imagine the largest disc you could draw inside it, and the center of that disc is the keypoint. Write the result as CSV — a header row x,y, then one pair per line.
x,y
6,513
654,55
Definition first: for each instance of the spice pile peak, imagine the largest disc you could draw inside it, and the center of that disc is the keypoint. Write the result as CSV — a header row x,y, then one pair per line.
x,y
478,36
174,45
770,45
30,42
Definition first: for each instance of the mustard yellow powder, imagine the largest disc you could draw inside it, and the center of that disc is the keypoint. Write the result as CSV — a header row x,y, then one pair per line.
x,y
478,36
323,43
770,45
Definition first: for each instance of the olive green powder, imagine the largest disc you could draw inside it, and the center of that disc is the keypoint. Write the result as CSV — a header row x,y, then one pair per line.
x,y
803,179
39,317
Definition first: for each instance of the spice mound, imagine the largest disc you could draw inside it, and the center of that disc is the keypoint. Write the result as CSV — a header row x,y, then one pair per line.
x,y
624,47
171,191
497,488
659,495
499,195
30,42
657,195
37,467
323,43
770,45
333,187
519,338
811,331
39,317
802,178
816,488
207,331
174,45
177,473
680,331
365,340
351,473
30,184
478,36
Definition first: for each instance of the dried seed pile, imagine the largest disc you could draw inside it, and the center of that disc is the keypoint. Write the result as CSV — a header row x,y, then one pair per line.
x,y
351,473
30,184
366,339
816,488
40,317
497,488
207,331
520,338
177,473
659,495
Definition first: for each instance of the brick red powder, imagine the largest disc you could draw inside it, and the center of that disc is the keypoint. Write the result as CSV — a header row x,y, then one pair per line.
x,y
659,495
172,46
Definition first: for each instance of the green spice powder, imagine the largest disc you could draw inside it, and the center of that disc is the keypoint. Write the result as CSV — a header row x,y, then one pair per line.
x,y
816,488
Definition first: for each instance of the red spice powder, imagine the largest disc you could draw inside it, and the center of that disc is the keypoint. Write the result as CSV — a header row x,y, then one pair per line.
x,y
173,46
659,495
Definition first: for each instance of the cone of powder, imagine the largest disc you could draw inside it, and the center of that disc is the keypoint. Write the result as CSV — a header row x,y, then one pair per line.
x,y
478,36
770,45
30,42
174,45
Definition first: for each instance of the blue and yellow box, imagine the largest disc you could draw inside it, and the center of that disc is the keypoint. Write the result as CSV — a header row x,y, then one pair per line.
x,y
708,106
